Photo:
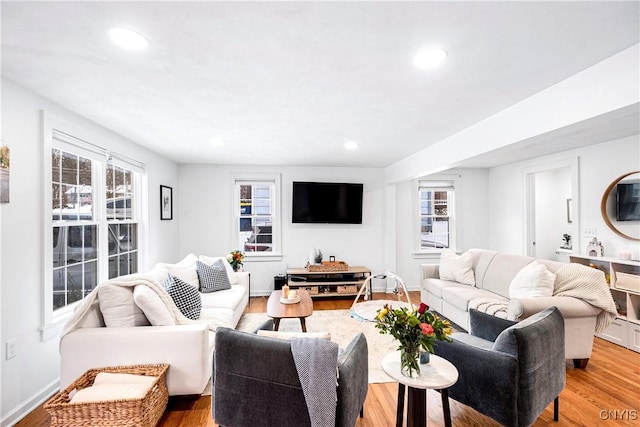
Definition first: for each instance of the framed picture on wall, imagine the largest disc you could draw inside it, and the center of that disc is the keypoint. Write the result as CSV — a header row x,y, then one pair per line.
x,y
4,173
166,202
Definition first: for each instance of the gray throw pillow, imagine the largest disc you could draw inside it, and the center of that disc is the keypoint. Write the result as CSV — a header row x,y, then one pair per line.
x,y
212,278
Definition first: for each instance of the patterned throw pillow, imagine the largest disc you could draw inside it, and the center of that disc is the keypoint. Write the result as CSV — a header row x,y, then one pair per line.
x,y
186,297
212,278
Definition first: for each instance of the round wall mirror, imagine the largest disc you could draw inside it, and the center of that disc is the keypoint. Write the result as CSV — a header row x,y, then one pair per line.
x,y
617,211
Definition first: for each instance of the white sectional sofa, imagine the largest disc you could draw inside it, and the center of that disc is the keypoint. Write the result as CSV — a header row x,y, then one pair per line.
x,y
482,279
158,334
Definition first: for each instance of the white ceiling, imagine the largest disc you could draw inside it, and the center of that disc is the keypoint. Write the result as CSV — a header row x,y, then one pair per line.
x,y
289,82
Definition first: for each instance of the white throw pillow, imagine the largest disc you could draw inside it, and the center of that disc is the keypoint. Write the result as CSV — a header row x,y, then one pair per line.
x,y
152,305
118,308
533,280
210,260
185,270
289,335
458,268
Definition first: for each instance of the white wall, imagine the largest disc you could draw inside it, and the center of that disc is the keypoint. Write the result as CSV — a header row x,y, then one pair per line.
x,y
205,209
600,164
472,218
33,374
552,189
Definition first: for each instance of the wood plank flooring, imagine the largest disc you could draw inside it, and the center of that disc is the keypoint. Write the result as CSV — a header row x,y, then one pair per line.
x,y
606,393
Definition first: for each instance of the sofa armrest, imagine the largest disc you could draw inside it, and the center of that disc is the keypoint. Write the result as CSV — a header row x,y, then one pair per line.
x,y
185,348
521,308
486,326
429,271
243,279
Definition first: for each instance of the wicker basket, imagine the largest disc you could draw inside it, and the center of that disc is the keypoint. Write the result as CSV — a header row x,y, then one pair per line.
x,y
141,412
329,266
347,289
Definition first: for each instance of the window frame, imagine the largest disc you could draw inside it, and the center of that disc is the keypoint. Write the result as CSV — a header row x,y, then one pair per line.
x,y
436,182
54,133
273,179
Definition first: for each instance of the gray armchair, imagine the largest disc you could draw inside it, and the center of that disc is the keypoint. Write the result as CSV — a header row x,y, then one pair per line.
x,y
255,382
509,371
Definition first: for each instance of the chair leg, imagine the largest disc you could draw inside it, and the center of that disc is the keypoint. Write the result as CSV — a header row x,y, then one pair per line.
x,y
556,408
580,363
362,412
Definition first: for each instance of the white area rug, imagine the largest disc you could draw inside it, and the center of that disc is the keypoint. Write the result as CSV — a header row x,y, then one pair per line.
x,y
368,310
342,328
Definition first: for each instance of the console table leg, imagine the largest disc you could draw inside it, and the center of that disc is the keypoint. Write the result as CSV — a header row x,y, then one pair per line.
x,y
276,323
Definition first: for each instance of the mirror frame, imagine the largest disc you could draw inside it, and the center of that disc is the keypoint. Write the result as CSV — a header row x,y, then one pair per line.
x,y
603,206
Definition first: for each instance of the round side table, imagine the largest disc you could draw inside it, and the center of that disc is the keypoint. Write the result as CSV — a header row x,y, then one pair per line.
x,y
439,374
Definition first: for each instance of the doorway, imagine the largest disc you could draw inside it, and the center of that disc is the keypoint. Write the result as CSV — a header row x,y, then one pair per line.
x,y
552,210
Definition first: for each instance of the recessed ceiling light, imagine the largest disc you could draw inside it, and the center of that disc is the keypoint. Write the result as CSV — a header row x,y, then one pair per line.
x,y
128,39
216,142
429,58
350,145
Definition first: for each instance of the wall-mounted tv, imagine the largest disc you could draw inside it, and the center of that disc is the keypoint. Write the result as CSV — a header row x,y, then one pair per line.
x,y
327,203
628,201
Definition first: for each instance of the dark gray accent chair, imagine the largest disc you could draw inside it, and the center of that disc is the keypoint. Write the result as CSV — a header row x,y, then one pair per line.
x,y
255,382
509,371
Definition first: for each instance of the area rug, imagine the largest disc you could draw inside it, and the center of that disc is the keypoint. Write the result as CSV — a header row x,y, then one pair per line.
x,y
342,328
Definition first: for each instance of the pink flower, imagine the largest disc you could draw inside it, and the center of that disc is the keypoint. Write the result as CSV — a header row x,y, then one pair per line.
x,y
426,328
423,307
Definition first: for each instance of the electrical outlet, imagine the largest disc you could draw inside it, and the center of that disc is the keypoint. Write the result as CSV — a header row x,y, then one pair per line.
x,y
10,349
590,232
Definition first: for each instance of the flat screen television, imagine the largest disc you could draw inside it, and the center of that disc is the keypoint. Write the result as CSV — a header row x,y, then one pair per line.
x,y
327,203
628,201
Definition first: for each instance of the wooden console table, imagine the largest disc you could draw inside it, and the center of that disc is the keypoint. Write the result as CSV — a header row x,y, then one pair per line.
x,y
329,283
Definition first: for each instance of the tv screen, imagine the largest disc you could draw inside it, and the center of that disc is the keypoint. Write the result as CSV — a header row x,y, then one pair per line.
x,y
327,203
628,202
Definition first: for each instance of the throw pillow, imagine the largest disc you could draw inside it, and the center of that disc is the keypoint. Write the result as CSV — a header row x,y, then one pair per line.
x,y
233,279
153,307
533,280
185,269
186,297
118,308
458,268
212,277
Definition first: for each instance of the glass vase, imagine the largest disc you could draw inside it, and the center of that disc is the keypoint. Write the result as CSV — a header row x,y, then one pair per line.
x,y
409,360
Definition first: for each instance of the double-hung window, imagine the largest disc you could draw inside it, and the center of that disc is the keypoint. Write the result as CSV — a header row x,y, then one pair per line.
x,y
436,215
93,219
257,223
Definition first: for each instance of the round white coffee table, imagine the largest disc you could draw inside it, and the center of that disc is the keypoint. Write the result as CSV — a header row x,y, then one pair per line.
x,y
438,374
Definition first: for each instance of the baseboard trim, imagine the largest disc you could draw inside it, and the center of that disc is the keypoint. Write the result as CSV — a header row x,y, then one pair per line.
x,y
22,410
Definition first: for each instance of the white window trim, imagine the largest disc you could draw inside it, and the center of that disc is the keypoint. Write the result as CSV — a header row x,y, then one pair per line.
x,y
276,254
54,321
431,253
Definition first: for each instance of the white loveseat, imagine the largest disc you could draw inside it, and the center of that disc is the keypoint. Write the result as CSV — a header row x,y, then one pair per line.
x,y
185,344
585,302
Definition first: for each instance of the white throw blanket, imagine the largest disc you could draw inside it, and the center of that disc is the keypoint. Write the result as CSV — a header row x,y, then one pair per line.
x,y
131,280
589,285
316,361
492,306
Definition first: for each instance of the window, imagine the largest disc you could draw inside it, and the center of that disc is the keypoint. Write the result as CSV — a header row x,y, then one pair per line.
x,y
256,216
93,219
436,215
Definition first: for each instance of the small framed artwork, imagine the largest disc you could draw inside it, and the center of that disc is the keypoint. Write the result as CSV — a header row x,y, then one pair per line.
x,y
569,211
166,202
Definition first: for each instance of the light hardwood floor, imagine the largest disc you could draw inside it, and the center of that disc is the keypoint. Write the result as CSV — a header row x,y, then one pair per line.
x,y
606,393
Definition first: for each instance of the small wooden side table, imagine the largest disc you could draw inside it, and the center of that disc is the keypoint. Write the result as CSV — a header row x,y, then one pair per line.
x,y
438,374
278,310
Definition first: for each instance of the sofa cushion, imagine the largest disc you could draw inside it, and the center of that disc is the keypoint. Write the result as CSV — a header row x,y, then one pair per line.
x,y
455,267
212,277
501,270
185,296
233,279
152,305
460,296
118,308
185,270
435,286
229,298
533,280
